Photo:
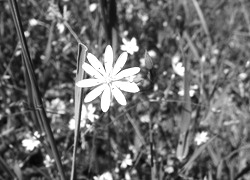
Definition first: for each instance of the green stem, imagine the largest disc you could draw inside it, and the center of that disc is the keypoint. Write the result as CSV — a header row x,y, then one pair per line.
x,y
37,98
82,50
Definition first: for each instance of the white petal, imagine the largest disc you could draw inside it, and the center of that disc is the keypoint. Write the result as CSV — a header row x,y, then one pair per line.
x,y
124,41
96,63
118,95
92,71
120,63
127,86
123,48
88,82
94,93
127,72
136,48
106,98
133,41
108,59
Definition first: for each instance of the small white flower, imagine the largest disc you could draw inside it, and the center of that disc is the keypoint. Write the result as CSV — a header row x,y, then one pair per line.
x,y
243,76
104,176
30,143
33,22
48,162
87,113
127,161
178,66
152,53
129,46
201,138
60,27
92,7
109,81
56,105
26,34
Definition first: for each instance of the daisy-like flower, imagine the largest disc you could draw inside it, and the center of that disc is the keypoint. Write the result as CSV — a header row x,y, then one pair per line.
x,y
129,46
108,81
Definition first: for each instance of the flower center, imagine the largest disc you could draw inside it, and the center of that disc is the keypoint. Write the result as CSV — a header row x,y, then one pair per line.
x,y
108,80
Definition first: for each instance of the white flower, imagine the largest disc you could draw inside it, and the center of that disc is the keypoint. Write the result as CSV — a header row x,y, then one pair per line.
x,y
48,162
30,143
60,27
127,161
92,7
109,81
178,66
104,176
87,113
129,46
201,138
33,22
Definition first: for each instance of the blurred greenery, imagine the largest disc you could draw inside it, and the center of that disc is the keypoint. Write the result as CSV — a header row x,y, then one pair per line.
x,y
214,36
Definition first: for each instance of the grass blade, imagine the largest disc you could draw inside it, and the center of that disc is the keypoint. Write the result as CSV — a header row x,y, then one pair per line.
x,y
202,19
37,98
82,51
196,154
185,132
7,169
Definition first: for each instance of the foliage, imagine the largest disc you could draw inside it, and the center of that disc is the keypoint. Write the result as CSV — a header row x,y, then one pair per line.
x,y
157,135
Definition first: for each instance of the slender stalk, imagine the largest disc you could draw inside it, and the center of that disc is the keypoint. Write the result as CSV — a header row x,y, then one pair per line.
x,y
185,131
37,98
82,50
72,31
151,150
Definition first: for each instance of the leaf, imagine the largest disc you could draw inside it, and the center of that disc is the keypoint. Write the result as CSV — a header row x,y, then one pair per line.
x,y
148,61
81,57
196,154
18,171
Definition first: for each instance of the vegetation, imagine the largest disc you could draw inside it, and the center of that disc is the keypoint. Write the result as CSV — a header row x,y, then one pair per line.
x,y
190,119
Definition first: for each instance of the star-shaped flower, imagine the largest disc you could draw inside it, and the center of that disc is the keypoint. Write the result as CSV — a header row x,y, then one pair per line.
x,y
129,46
201,138
108,80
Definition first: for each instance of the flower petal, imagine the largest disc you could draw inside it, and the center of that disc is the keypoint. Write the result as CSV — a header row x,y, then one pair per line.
x,y
120,63
118,95
92,71
96,63
88,82
127,86
123,48
133,41
125,41
106,98
94,93
127,72
108,59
